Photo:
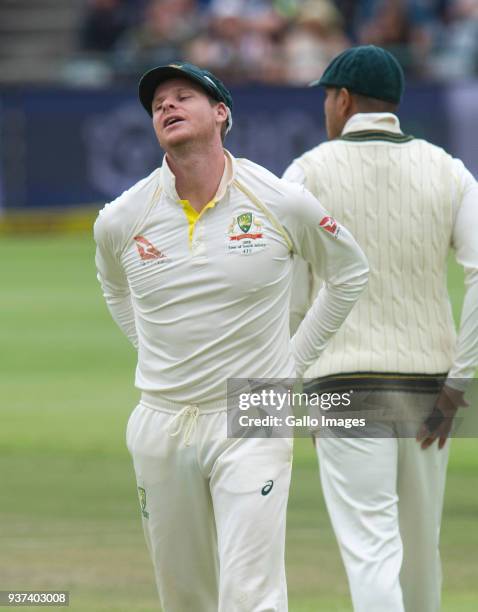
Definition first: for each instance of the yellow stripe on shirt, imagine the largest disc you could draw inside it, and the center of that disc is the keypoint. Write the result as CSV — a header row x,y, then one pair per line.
x,y
193,216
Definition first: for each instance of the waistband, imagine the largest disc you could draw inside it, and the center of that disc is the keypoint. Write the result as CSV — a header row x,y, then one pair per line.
x,y
377,381
155,401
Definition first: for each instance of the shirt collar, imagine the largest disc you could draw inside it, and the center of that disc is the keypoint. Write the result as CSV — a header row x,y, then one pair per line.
x,y
385,122
168,180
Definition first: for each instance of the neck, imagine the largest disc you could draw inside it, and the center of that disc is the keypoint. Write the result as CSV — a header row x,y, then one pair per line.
x,y
198,173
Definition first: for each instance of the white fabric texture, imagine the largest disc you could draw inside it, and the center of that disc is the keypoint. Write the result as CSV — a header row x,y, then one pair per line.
x,y
407,203
205,298
384,497
204,310
205,508
403,321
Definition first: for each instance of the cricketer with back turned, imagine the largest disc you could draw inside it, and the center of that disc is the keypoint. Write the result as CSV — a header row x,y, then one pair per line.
x,y
407,202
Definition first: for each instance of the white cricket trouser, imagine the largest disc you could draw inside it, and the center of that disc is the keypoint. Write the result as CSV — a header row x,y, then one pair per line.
x,y
214,510
385,498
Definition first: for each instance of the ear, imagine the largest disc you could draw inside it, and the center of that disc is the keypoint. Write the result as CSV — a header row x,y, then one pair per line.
x,y
221,111
344,102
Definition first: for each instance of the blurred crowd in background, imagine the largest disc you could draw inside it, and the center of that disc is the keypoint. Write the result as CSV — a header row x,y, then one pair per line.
x,y
274,41
69,72
102,42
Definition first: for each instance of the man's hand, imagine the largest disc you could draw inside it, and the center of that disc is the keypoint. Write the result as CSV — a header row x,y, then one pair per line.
x,y
438,424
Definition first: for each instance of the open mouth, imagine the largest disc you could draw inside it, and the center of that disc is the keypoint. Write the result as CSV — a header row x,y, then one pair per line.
x,y
172,120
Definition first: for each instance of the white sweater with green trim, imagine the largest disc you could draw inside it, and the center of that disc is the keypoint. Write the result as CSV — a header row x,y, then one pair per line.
x,y
406,202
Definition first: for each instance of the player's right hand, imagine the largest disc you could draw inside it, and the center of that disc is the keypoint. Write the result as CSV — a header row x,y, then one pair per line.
x,y
438,424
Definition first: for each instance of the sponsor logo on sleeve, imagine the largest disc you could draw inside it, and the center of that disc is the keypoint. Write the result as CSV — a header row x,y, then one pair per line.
x,y
329,224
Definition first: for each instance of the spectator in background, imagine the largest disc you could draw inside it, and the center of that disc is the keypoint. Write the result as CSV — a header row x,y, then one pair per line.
x,y
160,38
349,10
388,27
242,40
404,27
275,41
105,21
218,47
455,51
315,38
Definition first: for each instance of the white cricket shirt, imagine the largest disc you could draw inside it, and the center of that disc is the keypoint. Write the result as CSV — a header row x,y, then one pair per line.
x,y
205,297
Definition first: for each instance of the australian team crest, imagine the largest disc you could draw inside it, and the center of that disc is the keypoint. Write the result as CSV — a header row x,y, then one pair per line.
x,y
244,221
245,235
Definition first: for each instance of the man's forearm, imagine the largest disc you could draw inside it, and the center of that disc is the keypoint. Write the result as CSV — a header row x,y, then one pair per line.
x,y
327,313
122,312
466,359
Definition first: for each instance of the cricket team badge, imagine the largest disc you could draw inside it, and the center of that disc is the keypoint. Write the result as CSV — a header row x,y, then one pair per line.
x,y
245,235
142,501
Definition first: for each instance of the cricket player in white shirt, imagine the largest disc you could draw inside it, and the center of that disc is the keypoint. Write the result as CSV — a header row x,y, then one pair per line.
x,y
407,202
195,264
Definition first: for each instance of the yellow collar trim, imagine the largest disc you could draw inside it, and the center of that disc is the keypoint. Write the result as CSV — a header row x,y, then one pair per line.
x,y
193,216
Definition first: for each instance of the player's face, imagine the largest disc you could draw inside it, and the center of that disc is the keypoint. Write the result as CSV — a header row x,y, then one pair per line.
x,y
334,119
183,113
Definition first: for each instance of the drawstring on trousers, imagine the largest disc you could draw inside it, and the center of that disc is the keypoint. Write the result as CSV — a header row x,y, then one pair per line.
x,y
187,419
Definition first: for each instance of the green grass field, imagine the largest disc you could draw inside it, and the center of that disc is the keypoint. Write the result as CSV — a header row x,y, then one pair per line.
x,y
69,516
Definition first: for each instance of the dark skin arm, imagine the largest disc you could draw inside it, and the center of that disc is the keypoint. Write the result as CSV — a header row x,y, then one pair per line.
x,y
438,425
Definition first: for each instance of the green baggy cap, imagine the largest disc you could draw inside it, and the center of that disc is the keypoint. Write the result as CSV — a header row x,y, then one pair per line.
x,y
211,84
367,70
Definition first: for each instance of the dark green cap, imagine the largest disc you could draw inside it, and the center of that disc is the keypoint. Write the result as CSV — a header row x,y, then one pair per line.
x,y
368,70
211,84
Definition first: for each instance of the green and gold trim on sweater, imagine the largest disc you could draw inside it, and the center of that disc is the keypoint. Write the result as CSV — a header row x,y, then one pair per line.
x,y
371,135
378,381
